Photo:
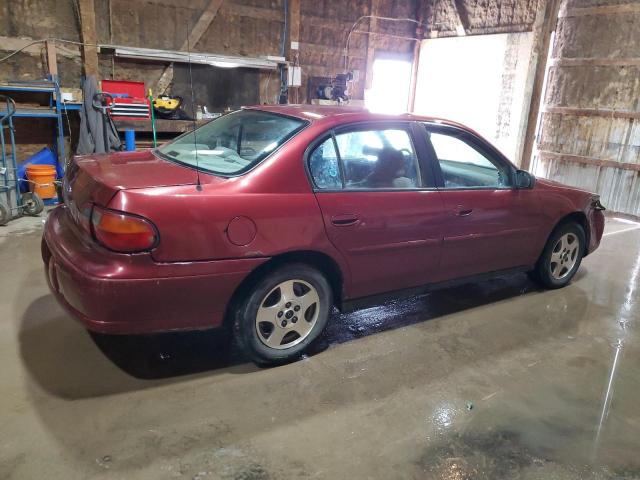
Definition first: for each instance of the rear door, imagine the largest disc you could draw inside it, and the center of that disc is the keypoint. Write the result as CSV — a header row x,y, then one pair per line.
x,y
379,204
490,225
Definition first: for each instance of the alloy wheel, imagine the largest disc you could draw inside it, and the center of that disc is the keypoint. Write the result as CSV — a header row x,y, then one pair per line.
x,y
564,256
287,314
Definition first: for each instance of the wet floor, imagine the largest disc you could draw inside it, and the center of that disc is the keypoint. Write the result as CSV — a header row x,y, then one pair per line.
x,y
491,380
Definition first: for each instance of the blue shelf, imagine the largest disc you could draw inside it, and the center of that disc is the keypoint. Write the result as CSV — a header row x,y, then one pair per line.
x,y
32,113
54,110
17,88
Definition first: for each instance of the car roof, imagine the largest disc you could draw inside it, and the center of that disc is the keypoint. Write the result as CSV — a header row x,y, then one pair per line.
x,y
337,114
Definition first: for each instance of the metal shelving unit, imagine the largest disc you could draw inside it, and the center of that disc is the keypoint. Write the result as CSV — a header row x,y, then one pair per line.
x,y
53,110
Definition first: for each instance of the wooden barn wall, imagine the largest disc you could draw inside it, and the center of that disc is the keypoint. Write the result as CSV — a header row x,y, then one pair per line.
x,y
241,27
590,126
325,25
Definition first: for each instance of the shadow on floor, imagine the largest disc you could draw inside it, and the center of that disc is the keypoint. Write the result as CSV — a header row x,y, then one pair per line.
x,y
63,358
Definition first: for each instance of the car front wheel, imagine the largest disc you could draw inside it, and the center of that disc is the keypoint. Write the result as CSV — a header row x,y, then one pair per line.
x,y
561,257
283,314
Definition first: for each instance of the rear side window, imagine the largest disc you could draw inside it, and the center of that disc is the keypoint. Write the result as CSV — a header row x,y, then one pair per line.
x,y
324,167
233,143
383,159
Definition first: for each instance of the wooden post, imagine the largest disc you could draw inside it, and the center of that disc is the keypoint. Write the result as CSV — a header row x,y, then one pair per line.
x,y
293,43
544,26
419,34
371,44
89,37
52,60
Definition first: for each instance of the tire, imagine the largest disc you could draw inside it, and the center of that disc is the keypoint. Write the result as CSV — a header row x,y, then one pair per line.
x,y
32,204
561,256
5,213
282,314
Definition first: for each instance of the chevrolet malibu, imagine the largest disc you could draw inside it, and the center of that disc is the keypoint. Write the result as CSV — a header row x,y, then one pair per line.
x,y
265,219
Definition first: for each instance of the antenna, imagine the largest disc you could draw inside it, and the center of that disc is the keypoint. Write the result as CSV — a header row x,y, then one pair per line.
x,y
193,111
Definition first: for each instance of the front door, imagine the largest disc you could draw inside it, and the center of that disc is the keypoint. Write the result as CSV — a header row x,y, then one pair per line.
x,y
377,206
489,224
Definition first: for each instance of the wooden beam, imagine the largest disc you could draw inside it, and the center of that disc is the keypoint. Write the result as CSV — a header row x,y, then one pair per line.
x,y
371,44
52,59
545,24
421,9
162,125
11,44
201,25
293,35
592,112
462,23
596,62
196,33
89,37
601,10
590,161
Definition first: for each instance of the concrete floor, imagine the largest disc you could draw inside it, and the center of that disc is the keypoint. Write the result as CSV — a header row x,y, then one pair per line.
x,y
486,381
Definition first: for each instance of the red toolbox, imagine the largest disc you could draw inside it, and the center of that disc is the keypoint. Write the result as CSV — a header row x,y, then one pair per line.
x,y
129,100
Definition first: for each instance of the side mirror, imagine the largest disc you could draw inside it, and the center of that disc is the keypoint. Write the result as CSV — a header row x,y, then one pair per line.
x,y
524,179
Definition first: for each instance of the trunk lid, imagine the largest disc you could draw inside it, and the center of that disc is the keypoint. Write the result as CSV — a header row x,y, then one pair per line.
x,y
97,178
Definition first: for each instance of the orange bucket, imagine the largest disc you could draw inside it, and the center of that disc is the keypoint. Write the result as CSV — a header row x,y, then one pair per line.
x,y
41,180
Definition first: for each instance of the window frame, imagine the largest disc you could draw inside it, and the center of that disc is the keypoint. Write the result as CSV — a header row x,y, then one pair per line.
x,y
476,142
414,131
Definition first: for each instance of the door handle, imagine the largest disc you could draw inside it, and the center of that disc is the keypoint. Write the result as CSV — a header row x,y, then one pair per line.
x,y
345,220
462,211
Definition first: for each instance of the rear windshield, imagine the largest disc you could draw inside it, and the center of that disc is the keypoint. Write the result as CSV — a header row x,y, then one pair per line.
x,y
233,143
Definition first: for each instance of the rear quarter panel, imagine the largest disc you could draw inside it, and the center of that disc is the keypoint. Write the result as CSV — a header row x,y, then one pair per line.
x,y
276,197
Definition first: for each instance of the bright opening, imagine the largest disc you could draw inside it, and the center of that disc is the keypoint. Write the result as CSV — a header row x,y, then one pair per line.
x,y
390,86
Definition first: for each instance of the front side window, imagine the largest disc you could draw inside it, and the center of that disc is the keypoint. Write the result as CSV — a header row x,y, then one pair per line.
x,y
464,166
369,159
234,143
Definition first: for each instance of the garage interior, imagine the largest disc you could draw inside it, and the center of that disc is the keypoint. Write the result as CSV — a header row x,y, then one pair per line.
x,y
494,379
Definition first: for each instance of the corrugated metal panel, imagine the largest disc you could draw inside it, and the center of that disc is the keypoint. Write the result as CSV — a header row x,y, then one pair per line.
x,y
590,127
619,189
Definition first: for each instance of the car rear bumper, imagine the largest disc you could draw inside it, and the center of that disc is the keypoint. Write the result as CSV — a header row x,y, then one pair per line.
x,y
127,294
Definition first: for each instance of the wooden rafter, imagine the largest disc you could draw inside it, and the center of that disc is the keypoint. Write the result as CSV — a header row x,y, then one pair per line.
x,y
462,18
196,33
14,43
628,8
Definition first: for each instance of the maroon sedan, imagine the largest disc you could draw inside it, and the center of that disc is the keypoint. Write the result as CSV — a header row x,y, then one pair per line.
x,y
264,219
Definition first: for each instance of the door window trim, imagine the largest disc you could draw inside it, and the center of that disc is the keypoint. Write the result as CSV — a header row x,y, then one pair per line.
x,y
485,148
411,127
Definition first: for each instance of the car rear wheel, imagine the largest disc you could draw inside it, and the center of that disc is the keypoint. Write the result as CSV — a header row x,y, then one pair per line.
x,y
283,314
561,257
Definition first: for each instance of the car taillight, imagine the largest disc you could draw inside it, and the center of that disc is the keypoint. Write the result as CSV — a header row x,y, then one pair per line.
x,y
122,232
